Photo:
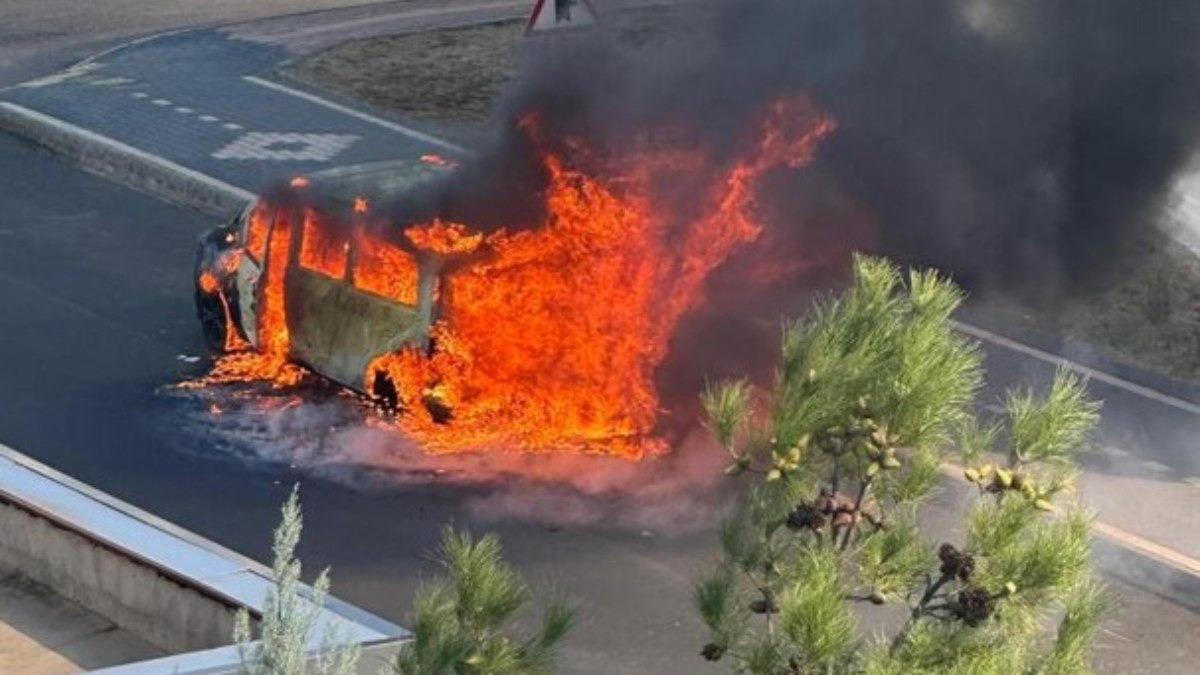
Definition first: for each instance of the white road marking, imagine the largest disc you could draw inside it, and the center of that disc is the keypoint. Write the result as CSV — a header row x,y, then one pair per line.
x,y
398,128
118,146
184,110
1092,373
231,126
139,94
207,118
1114,451
81,68
274,145
110,81
161,101
1157,467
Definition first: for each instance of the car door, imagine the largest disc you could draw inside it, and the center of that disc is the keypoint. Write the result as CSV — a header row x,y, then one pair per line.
x,y
350,296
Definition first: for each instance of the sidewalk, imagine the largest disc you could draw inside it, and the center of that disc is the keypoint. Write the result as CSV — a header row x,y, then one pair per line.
x,y
207,105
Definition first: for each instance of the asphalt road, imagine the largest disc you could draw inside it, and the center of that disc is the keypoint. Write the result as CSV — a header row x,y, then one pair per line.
x,y
37,36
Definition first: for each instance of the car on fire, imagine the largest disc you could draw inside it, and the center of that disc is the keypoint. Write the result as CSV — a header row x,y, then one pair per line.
x,y
352,288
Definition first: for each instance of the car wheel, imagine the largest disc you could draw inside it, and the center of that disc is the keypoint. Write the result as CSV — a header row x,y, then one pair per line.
x,y
212,319
384,391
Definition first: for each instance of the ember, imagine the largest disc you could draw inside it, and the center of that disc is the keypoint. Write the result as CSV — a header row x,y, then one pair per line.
x,y
437,159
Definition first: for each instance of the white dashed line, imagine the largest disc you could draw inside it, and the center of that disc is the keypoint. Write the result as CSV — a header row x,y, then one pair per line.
x,y
139,94
161,101
399,128
207,118
231,126
128,150
1114,452
110,81
1156,466
184,110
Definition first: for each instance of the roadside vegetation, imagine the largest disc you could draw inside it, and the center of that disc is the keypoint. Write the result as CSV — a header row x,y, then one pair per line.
x,y
873,397
289,618
462,622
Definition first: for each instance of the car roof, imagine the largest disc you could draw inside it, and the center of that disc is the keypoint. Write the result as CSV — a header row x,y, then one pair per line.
x,y
378,181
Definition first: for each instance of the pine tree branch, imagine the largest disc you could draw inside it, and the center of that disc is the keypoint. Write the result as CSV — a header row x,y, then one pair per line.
x,y
857,512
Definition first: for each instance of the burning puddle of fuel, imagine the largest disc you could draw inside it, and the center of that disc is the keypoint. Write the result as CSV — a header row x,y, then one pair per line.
x,y
322,431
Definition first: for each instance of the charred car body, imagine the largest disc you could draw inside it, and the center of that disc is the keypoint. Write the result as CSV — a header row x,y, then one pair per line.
x,y
352,288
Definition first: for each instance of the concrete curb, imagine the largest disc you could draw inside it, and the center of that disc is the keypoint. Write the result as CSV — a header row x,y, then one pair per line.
x,y
187,559
125,164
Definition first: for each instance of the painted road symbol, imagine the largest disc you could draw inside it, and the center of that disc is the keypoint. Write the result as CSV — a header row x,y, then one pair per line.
x,y
286,146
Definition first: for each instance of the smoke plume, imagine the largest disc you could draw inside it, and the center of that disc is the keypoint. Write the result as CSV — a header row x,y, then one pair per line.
x,y
1014,143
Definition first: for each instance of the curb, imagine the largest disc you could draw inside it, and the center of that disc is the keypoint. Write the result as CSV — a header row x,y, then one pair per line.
x,y
125,164
186,558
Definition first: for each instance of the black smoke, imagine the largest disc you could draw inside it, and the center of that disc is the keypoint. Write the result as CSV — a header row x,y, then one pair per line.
x,y
1017,144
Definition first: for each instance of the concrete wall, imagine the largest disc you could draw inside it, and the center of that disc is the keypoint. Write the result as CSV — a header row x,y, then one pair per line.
x,y
170,587
135,596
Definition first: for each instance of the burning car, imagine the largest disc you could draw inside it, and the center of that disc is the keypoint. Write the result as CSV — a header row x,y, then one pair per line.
x,y
350,292
539,334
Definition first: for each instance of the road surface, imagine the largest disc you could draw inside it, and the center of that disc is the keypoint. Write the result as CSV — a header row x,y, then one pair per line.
x,y
37,36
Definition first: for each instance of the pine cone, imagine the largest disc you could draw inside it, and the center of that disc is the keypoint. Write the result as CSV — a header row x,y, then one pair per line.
x,y
806,516
973,605
955,563
712,652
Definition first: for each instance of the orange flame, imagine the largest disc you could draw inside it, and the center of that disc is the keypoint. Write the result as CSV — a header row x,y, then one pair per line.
x,y
270,361
437,159
209,283
442,237
550,339
552,342
384,269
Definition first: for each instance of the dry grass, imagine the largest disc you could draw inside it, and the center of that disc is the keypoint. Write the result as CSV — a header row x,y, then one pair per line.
x,y
447,75
1146,314
453,74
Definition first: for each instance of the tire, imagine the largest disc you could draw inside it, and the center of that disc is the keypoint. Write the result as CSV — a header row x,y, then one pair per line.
x,y
384,391
211,313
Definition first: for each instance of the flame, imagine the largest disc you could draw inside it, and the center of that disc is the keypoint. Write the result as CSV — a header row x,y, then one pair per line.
x,y
270,360
551,342
324,248
438,160
384,269
549,339
444,238
209,283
